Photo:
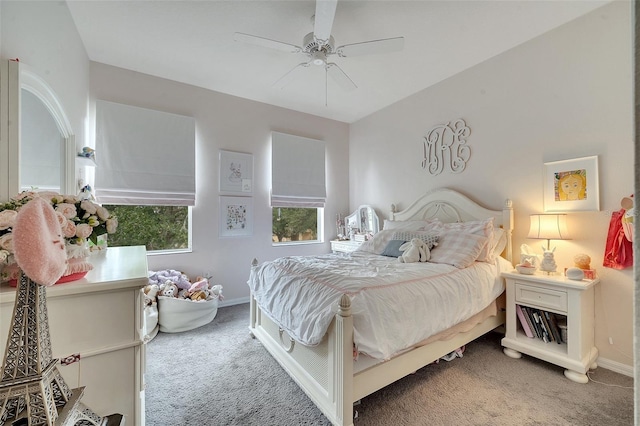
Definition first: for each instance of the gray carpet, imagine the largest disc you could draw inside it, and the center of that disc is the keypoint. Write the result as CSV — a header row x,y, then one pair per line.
x,y
218,375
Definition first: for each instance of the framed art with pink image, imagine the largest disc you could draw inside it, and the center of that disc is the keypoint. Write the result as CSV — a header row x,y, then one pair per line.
x,y
571,185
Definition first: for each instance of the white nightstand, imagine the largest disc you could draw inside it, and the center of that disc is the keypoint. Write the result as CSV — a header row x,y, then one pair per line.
x,y
346,246
573,300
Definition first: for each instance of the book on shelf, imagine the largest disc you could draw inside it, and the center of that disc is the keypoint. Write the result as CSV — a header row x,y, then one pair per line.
x,y
524,322
543,325
547,326
553,324
529,318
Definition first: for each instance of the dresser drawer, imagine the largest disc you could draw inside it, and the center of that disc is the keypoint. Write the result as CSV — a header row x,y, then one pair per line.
x,y
541,297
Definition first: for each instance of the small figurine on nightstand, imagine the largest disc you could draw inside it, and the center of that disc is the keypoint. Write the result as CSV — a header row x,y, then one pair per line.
x,y
548,263
582,261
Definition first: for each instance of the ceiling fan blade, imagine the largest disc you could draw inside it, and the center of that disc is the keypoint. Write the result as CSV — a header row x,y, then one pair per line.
x,y
266,42
323,21
340,77
291,75
385,45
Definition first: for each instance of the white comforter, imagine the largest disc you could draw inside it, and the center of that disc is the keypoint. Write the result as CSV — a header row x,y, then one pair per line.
x,y
394,305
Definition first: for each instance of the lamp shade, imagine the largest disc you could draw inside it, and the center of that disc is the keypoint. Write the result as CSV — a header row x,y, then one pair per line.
x,y
549,227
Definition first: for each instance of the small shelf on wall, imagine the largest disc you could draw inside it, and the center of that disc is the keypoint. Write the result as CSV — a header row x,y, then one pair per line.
x,y
85,161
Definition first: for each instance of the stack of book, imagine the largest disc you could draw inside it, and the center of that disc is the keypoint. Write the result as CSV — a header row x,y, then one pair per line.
x,y
540,324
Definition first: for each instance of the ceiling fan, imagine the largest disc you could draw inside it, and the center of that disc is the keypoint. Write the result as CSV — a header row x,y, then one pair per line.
x,y
319,45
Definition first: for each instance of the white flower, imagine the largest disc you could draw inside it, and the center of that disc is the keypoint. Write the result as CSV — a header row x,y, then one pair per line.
x,y
68,210
112,225
88,207
6,242
69,228
7,217
103,213
83,230
4,256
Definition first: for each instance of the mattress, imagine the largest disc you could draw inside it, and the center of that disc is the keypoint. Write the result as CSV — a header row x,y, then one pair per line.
x,y
394,305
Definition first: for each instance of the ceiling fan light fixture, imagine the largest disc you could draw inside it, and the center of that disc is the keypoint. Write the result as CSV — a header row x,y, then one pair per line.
x,y
318,58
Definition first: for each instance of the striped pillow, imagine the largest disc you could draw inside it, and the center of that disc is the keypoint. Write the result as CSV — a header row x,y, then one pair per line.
x,y
459,249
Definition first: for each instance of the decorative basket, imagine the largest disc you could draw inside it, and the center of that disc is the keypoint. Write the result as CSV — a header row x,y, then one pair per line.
x,y
177,315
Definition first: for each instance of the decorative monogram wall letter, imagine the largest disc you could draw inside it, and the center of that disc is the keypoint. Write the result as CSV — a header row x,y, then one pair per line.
x,y
445,148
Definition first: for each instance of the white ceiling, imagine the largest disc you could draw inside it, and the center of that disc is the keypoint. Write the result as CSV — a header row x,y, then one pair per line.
x,y
192,42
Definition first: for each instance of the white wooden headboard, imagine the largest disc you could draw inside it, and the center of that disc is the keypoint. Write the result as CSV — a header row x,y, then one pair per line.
x,y
448,205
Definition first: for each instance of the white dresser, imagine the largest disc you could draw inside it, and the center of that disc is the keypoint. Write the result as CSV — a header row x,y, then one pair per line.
x,y
101,318
344,246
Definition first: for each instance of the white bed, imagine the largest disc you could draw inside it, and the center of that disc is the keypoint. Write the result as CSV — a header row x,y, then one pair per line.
x,y
327,371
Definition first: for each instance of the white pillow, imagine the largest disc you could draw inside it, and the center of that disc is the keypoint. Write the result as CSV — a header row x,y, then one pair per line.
x,y
378,243
459,249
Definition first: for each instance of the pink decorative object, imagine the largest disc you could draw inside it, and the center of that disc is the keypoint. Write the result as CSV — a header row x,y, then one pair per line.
x,y
38,243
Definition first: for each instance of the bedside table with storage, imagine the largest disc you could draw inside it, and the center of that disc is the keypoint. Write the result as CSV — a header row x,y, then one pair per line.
x,y
559,315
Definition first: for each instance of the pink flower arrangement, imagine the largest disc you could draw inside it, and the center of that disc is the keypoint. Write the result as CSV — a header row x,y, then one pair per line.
x,y
80,220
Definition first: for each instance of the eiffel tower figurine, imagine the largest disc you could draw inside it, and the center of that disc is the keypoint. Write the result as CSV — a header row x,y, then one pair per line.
x,y
32,391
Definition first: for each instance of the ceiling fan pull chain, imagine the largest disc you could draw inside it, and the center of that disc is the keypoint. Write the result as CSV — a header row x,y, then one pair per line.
x,y
326,85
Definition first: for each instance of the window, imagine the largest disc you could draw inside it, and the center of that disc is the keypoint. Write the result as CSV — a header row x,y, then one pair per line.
x,y
298,190
150,201
295,224
156,227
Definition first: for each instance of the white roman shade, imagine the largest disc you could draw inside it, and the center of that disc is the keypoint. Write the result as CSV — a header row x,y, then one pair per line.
x,y
297,171
144,157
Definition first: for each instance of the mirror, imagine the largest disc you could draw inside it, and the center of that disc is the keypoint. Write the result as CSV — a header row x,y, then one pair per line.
x,y
41,146
45,140
363,221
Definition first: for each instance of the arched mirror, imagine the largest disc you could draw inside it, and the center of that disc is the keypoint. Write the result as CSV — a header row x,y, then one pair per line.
x,y
363,221
42,146
46,141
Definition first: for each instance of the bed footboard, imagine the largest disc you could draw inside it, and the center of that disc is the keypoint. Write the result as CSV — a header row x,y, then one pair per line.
x,y
324,372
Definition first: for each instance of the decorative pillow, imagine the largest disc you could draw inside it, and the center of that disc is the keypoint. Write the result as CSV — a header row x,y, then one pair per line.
x,y
377,244
429,239
393,248
476,227
411,225
459,249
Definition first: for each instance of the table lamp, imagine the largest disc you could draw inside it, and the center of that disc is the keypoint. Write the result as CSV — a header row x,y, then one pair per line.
x,y
548,227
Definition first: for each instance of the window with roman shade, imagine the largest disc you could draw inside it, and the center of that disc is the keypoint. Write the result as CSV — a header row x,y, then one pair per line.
x,y
297,171
144,157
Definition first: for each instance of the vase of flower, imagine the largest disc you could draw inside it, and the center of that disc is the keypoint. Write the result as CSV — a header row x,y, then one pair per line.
x,y
81,221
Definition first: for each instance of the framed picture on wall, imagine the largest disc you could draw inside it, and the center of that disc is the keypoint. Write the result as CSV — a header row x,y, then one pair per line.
x,y
236,172
236,216
571,185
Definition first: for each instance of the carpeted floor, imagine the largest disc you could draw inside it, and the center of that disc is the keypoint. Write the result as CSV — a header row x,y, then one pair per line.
x,y
218,375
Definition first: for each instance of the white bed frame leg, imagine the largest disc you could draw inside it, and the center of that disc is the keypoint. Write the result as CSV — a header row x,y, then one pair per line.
x,y
343,364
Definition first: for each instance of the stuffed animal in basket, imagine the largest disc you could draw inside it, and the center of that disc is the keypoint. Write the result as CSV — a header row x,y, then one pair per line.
x,y
170,275
150,293
415,250
169,289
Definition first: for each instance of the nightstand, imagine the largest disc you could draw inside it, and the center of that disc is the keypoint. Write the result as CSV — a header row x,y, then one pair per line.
x,y
565,300
346,246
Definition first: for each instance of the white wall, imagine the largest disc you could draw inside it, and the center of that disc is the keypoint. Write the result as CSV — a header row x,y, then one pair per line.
x,y
234,124
566,94
42,35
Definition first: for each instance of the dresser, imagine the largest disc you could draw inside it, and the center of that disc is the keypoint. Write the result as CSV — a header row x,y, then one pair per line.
x,y
99,317
344,246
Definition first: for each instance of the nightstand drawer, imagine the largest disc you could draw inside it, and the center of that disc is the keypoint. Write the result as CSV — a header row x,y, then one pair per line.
x,y
541,297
